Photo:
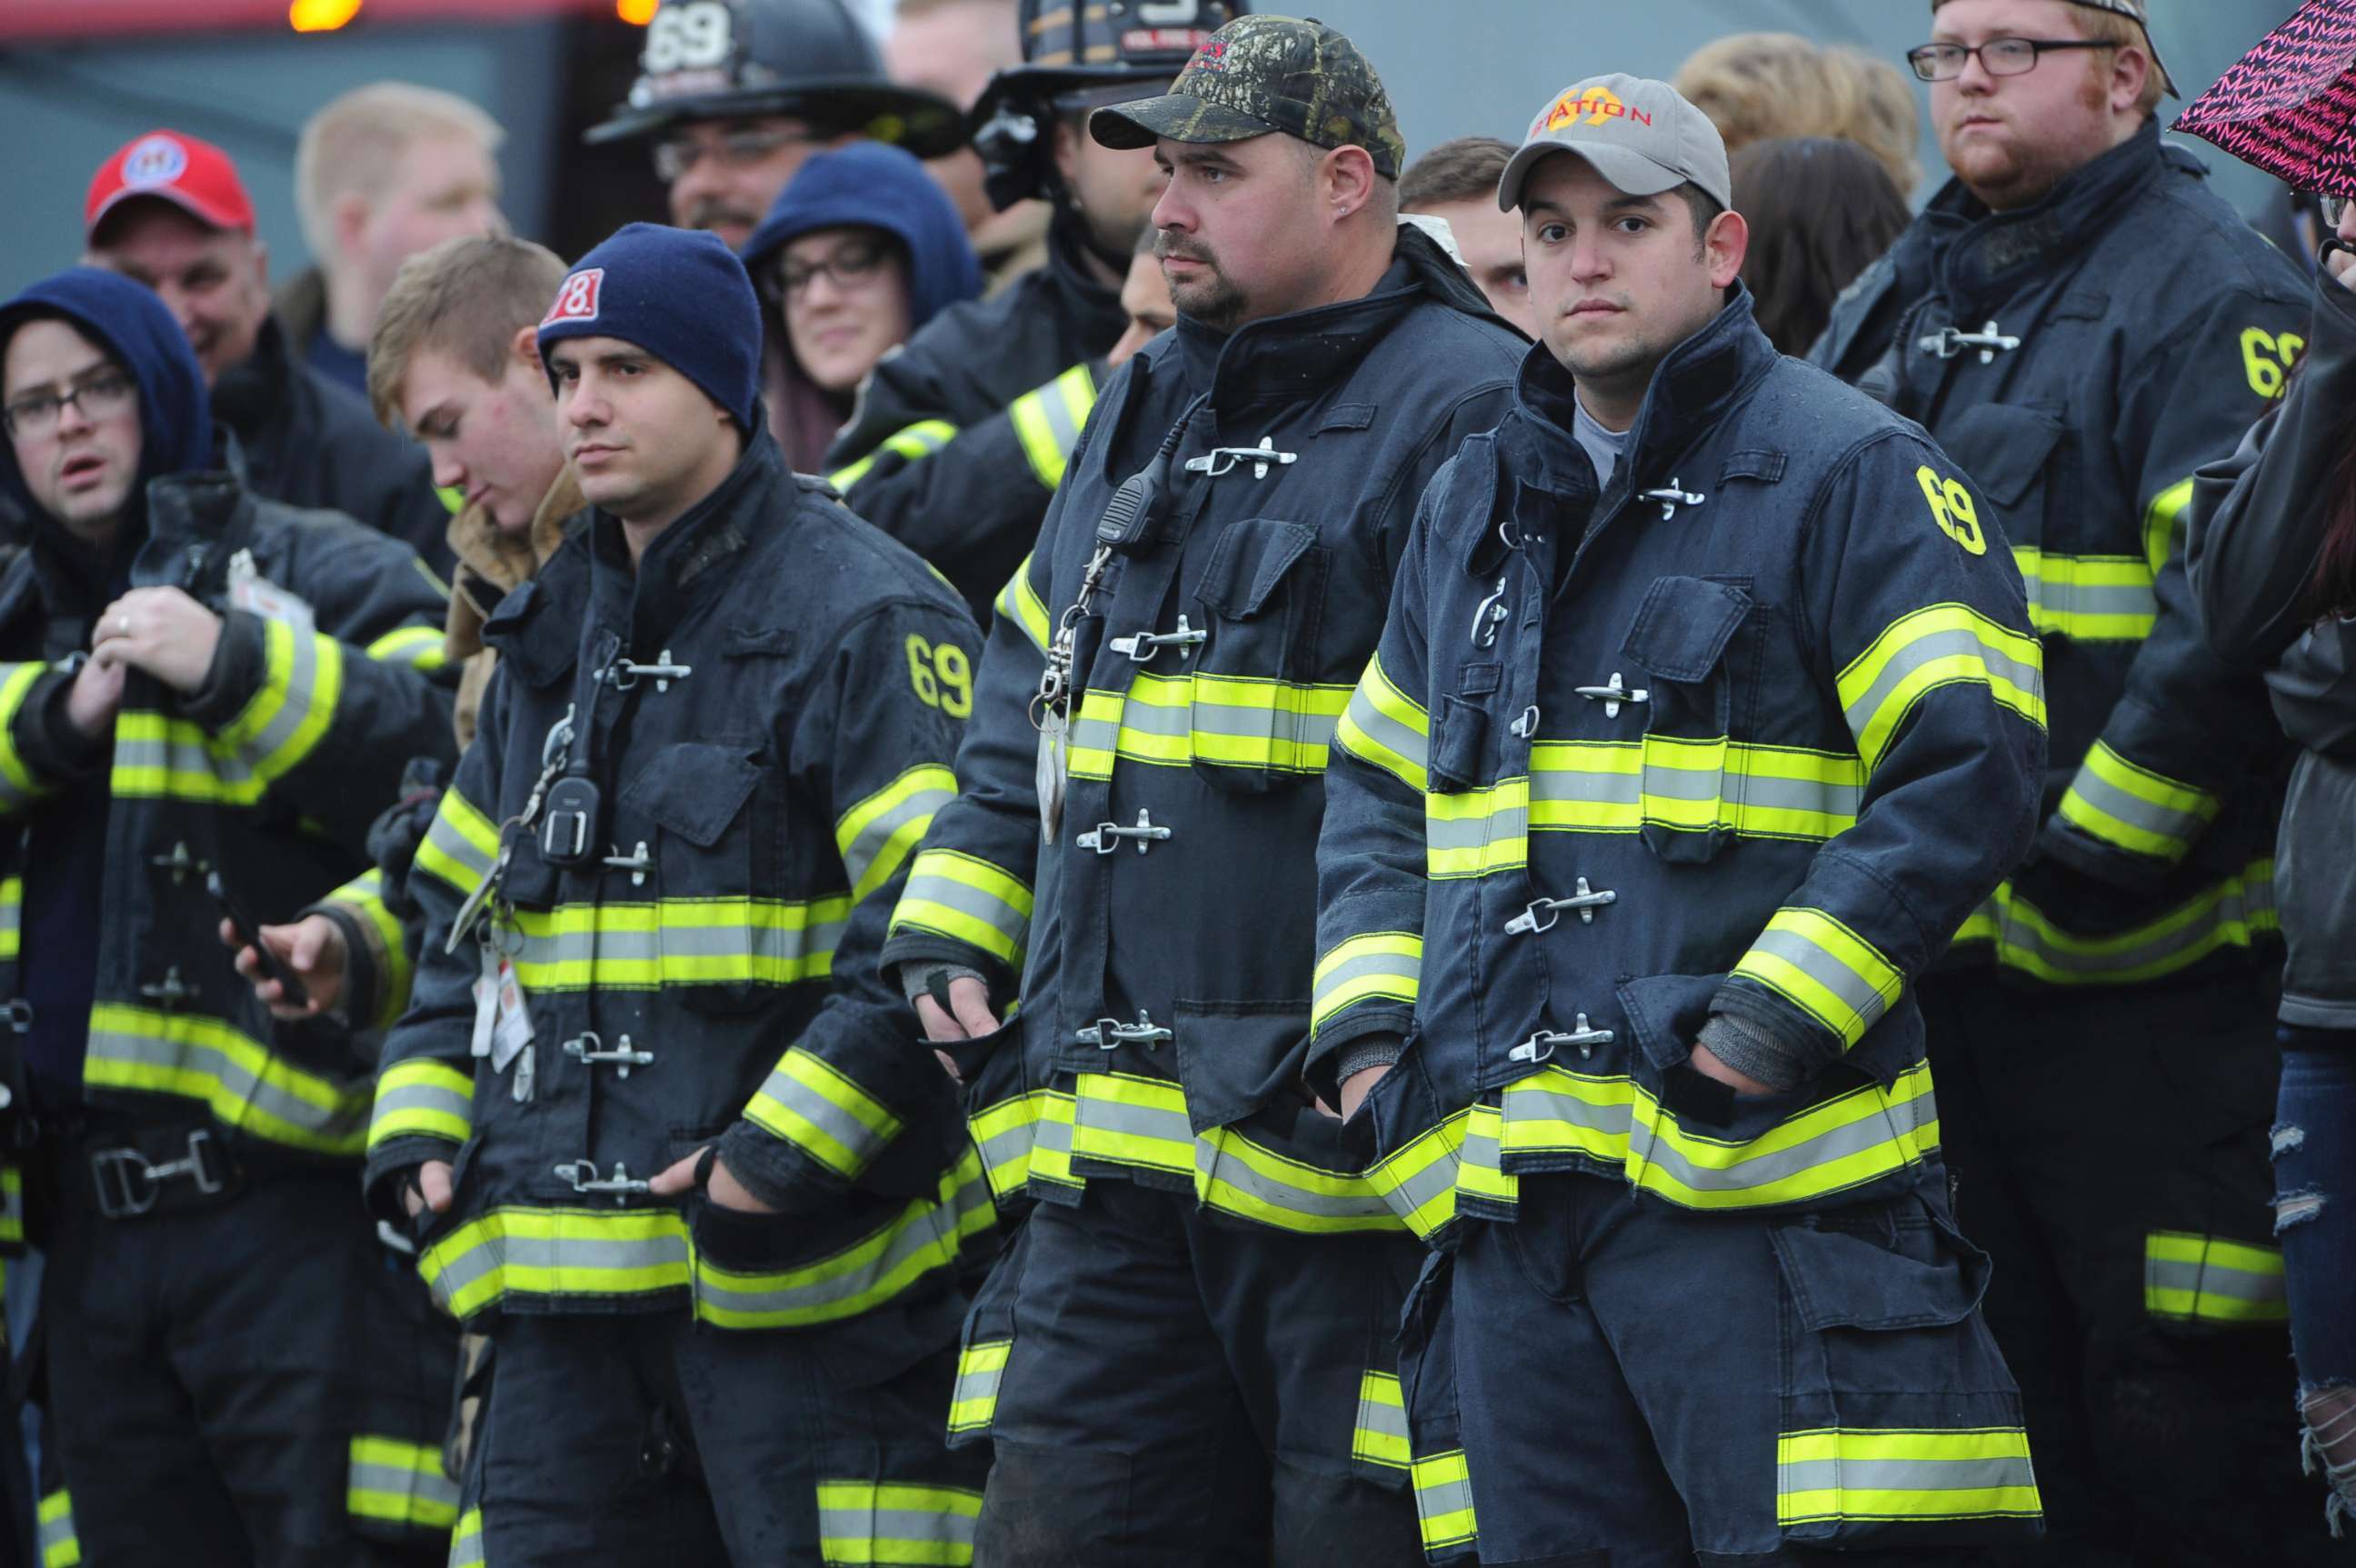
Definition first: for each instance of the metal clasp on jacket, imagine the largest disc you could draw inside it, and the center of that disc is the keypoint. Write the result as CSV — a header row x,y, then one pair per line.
x,y
180,864
1545,914
583,1175
589,1049
1541,1046
1612,695
1221,460
1106,837
1672,496
637,863
1143,646
1110,1034
1489,614
1949,341
622,674
113,1170
171,991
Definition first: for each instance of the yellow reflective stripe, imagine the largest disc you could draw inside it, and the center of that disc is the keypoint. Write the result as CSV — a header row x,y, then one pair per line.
x,y
1007,1135
1231,720
2233,912
18,788
12,918
1943,645
824,1112
1048,420
2208,1279
877,835
958,895
973,1399
1019,603
400,1483
1126,1120
2093,598
1418,1179
302,683
1389,964
2162,521
557,1253
1443,1500
235,1076
1385,727
1825,970
864,1524
1478,831
678,942
466,1541
1857,1473
1380,1436
1235,1175
915,443
461,844
422,1097
420,647
60,1547
364,895
2134,809
1856,1136
12,1204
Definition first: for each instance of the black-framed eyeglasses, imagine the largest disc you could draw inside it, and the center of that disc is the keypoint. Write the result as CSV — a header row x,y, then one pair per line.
x,y
37,413
734,149
852,265
1998,57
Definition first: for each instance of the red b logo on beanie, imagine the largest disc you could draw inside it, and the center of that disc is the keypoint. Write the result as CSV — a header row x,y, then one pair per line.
x,y
577,300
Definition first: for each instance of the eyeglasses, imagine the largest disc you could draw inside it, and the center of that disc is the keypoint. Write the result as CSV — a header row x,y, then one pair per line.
x,y
1998,57
853,265
734,149
2333,208
37,413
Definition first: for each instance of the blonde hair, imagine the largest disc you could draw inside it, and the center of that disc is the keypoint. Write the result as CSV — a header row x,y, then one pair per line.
x,y
352,146
467,296
1758,87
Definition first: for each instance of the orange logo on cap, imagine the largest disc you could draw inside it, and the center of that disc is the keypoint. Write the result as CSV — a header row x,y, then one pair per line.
x,y
1596,105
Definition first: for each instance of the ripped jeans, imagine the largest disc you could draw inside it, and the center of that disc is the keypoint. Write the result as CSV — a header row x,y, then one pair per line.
x,y
2314,1148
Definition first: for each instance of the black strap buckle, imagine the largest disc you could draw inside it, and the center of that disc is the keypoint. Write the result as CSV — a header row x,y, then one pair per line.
x,y
130,1183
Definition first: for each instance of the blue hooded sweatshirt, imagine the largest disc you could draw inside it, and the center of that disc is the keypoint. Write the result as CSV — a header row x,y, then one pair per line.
x,y
64,875
882,187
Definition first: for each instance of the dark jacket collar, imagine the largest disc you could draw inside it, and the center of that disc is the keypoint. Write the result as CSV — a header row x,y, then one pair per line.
x,y
688,565
255,395
1093,307
1980,256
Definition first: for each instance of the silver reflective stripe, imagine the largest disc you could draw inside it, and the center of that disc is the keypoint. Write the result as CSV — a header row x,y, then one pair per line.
x,y
874,1533
2065,601
154,1058
1903,1475
1058,410
1531,1100
173,753
452,843
1854,991
1929,650
1434,1499
762,943
1221,1169
979,1384
2252,901
876,836
58,1543
931,887
931,1232
394,1100
580,1257
2212,1278
2136,812
295,709
1506,823
1159,1123
427,1487
862,1141
1200,714
1436,1177
1388,732
1387,1420
466,1541
1407,967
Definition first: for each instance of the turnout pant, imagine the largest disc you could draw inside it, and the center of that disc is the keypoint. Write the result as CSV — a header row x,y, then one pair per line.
x,y
1611,1380
257,1381
1166,1388
641,1440
2110,1150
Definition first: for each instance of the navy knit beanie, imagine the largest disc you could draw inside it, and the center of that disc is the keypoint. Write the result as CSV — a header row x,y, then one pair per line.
x,y
680,294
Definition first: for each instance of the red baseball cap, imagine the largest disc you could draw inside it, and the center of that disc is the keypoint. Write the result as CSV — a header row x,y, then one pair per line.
x,y
194,175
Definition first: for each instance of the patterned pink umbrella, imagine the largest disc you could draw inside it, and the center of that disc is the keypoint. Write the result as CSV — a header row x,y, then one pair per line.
x,y
2289,106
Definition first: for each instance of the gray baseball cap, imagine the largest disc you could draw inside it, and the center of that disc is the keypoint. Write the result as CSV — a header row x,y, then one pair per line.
x,y
1641,134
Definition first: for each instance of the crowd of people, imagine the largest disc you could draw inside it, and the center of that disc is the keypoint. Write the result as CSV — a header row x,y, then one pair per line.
x,y
1109,823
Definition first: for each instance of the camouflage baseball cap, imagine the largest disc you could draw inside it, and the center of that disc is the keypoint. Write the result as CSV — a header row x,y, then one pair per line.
x,y
2136,11
1260,74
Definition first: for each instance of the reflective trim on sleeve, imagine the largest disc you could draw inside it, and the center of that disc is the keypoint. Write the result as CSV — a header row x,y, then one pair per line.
x,y
1048,419
466,1542
1859,1474
18,788
2089,598
1386,728
867,1524
915,443
2234,912
1386,964
1380,1436
461,844
237,1078
12,918
678,942
302,683
2136,809
2162,522
364,896
1019,603
422,1097
2191,1278
393,1482
60,1547
1418,1179
1443,1501
1943,645
877,836
422,648
12,1204
1825,970
1225,720
973,1398
1007,1135
968,900
824,1112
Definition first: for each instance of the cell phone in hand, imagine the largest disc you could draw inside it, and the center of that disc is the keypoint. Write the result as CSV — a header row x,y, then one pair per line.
x,y
249,935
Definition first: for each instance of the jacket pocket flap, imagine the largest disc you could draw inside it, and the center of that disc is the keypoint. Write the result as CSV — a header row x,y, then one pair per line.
x,y
1666,1013
1249,562
1347,416
695,788
748,641
1765,466
1683,627
1842,1278
1233,1058
2003,448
